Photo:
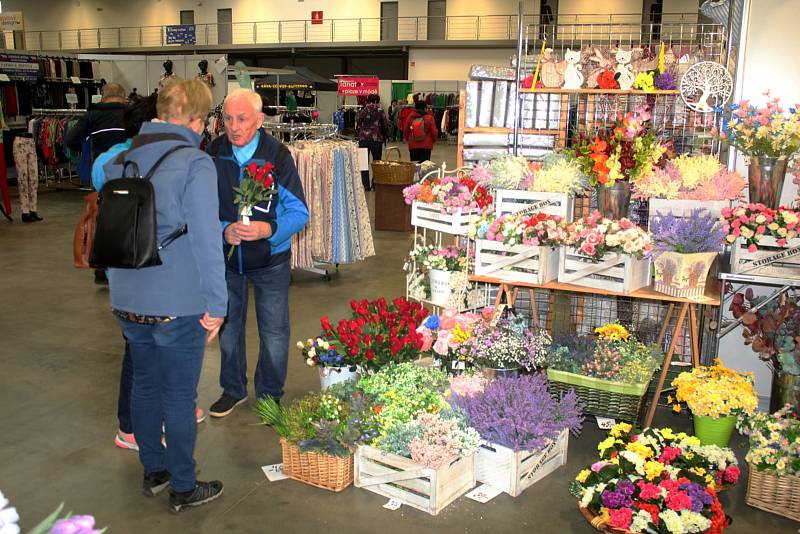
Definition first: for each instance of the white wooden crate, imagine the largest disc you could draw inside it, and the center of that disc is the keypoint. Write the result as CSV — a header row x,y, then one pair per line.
x,y
513,201
769,260
621,273
514,472
430,216
423,488
520,263
683,208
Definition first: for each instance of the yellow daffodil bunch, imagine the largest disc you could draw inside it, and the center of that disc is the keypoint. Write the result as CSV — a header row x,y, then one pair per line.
x,y
715,391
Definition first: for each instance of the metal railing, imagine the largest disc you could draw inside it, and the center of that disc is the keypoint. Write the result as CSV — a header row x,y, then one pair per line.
x,y
293,32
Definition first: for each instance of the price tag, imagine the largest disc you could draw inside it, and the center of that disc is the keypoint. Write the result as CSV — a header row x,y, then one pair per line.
x,y
96,99
274,472
484,493
72,98
460,366
75,80
605,423
4,78
393,504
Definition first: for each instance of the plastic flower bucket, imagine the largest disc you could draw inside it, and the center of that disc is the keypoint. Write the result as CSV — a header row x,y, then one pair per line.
x,y
329,376
714,430
440,286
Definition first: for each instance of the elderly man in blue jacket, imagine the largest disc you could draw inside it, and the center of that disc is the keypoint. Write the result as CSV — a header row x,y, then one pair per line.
x,y
262,253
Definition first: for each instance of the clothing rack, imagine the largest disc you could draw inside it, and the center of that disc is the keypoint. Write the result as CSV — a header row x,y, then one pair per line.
x,y
41,112
60,169
294,131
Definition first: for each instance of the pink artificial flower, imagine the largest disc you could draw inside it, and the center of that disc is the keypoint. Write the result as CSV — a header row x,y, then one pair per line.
x,y
447,320
620,518
731,474
752,248
679,500
588,249
597,466
669,454
442,345
594,238
427,339
648,490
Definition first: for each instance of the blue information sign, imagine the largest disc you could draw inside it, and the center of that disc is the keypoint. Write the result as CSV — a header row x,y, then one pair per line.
x,y
181,34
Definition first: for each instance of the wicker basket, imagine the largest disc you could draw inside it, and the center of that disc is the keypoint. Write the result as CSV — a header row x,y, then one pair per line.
x,y
603,398
321,470
779,495
598,524
393,172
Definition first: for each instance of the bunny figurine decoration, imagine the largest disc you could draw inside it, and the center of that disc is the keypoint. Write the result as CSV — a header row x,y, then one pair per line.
x,y
573,77
624,73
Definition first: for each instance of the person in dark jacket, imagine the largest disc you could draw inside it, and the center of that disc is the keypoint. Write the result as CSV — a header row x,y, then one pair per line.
x,y
262,254
102,126
168,312
420,135
372,128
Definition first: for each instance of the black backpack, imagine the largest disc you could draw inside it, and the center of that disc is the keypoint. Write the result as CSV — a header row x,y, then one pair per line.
x,y
125,237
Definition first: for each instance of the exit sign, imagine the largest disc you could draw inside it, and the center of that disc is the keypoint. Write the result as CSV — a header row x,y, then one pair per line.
x,y
316,17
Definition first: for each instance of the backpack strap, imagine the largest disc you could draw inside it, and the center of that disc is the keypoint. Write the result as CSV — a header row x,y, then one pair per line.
x,y
160,160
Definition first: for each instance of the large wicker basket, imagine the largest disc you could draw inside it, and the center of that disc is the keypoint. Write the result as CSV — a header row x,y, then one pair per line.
x,y
779,495
324,471
603,398
393,172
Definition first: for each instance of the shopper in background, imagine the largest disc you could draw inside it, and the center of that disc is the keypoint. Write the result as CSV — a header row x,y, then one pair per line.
x,y
394,129
140,111
168,312
372,128
100,128
262,254
420,132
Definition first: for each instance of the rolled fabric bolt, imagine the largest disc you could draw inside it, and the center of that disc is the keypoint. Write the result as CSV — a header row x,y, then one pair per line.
x,y
471,111
485,111
500,104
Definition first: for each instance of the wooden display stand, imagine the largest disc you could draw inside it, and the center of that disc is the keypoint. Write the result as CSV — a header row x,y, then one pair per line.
x,y
391,211
685,308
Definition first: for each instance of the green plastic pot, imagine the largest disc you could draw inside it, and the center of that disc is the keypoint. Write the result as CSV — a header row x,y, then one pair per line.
x,y
714,430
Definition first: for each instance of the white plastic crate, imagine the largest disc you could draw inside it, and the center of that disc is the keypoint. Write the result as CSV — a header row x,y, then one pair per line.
x,y
621,273
514,472
683,208
430,216
514,201
423,488
769,260
520,263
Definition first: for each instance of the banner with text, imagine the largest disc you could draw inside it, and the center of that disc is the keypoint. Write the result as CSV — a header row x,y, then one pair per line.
x,y
184,34
22,67
350,86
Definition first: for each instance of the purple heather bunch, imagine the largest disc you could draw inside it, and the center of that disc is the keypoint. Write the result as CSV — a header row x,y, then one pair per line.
x,y
519,413
700,232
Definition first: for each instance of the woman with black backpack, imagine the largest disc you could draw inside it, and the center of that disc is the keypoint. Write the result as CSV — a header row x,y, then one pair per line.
x,y
372,127
420,132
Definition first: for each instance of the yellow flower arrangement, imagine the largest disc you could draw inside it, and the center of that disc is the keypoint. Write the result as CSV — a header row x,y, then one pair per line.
x,y
460,335
613,332
583,475
715,391
620,428
643,451
653,469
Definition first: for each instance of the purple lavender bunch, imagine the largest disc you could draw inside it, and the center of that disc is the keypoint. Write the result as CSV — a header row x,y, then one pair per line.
x,y
519,413
700,232
665,81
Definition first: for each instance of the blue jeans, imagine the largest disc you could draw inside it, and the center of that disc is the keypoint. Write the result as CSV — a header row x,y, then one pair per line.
x,y
271,289
125,386
167,359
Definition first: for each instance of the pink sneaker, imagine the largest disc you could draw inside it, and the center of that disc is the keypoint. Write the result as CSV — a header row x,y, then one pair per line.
x,y
200,415
125,441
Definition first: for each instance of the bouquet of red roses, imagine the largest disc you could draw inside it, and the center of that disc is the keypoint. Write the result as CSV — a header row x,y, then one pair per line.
x,y
256,187
378,332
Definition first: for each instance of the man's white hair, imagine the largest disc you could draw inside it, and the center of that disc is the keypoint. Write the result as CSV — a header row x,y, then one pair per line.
x,y
250,96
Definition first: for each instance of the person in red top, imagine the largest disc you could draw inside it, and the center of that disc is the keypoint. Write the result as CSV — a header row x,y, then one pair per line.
x,y
420,132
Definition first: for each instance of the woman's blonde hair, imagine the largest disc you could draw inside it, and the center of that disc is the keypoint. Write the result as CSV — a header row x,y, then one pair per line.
x,y
184,101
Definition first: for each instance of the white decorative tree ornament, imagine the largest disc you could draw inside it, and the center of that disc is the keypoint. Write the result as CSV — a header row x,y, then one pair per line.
x,y
706,85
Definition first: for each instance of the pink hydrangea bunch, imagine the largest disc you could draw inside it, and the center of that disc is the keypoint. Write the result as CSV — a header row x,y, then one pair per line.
x,y
467,385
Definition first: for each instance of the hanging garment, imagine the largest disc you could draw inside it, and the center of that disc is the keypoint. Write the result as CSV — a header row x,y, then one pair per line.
x,y
27,173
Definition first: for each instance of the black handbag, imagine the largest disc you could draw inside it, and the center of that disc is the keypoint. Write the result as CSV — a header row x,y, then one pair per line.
x,y
125,235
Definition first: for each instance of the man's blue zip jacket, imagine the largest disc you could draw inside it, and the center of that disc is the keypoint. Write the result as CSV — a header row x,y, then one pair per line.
x,y
287,216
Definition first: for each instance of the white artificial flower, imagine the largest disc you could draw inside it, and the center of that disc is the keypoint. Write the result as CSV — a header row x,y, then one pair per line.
x,y
8,517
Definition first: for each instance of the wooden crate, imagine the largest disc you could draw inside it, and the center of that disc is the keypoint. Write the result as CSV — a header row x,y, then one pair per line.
x,y
683,208
621,273
513,201
514,472
769,260
430,216
520,263
423,488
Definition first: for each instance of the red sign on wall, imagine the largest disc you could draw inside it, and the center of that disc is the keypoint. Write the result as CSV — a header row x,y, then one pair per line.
x,y
316,17
350,86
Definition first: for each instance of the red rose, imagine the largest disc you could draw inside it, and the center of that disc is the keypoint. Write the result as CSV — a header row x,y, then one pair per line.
x,y
252,168
268,181
268,167
370,355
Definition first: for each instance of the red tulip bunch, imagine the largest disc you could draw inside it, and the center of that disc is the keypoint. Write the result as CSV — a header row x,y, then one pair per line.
x,y
378,332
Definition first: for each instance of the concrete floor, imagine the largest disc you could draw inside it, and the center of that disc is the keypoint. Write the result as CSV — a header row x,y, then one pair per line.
x,y
60,361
